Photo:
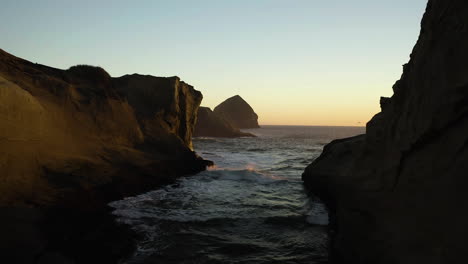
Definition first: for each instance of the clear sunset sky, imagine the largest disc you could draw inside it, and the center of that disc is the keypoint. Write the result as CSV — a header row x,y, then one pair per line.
x,y
297,62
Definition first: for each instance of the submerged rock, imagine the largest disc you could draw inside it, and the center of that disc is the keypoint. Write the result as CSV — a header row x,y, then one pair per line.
x,y
237,112
79,138
398,193
210,124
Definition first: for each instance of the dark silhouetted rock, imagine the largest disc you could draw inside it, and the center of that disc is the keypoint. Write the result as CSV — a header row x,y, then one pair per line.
x,y
237,112
210,124
398,194
77,139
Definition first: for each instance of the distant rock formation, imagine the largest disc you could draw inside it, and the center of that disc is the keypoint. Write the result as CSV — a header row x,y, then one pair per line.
x,y
226,120
210,124
399,193
79,138
237,112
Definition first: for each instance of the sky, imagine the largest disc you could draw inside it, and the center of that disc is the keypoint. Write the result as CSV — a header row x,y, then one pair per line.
x,y
296,62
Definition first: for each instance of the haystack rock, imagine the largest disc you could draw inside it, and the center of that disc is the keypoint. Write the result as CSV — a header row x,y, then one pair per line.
x,y
398,194
210,124
237,112
76,139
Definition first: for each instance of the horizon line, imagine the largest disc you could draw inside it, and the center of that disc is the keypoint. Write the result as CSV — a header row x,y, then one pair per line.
x,y
310,125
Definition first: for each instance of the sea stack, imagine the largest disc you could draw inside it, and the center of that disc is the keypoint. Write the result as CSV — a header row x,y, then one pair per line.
x,y
237,112
398,194
209,124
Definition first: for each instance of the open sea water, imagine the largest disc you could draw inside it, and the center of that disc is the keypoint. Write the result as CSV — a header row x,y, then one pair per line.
x,y
250,207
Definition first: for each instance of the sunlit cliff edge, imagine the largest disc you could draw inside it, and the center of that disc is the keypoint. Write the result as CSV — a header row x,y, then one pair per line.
x,y
75,130
76,139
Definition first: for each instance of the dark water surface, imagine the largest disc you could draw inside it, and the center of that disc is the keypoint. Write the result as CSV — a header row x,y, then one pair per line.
x,y
250,208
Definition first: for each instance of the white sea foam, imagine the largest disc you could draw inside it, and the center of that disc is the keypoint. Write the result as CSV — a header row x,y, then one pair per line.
x,y
252,200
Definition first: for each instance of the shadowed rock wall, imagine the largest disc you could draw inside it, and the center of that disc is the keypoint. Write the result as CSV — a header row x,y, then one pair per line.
x,y
398,193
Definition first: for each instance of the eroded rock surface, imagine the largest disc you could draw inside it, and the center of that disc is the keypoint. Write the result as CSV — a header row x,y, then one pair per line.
x,y
75,130
398,193
76,139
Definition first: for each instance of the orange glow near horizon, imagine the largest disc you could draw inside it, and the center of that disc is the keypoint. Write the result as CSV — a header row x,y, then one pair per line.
x,y
349,107
295,62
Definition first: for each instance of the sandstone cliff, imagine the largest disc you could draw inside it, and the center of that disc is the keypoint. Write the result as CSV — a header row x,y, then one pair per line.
x,y
237,112
398,193
210,124
78,138
64,131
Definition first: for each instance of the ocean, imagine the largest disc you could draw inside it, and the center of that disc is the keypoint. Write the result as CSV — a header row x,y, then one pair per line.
x,y
250,207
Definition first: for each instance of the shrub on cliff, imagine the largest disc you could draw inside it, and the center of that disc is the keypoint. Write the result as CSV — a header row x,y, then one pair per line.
x,y
93,74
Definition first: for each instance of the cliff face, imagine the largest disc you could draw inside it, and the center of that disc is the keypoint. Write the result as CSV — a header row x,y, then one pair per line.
x,y
398,193
73,140
161,105
210,124
80,136
237,112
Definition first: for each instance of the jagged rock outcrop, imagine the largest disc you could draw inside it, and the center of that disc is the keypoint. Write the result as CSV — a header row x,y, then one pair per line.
x,y
210,124
161,105
237,112
79,138
63,131
398,193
